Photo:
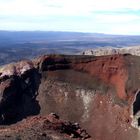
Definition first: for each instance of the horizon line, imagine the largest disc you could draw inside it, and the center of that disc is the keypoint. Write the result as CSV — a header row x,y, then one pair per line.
x,y
69,32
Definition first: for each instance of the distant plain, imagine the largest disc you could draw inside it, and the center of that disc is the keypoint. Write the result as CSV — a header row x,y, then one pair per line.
x,y
15,46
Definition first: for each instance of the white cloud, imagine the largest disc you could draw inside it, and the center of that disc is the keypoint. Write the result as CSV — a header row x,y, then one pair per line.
x,y
116,4
64,7
34,14
123,18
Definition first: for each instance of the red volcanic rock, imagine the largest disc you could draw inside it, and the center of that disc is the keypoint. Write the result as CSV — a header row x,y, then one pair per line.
x,y
110,69
48,127
71,129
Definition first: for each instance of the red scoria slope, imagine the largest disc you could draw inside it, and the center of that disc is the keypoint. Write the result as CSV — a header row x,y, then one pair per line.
x,y
97,92
111,69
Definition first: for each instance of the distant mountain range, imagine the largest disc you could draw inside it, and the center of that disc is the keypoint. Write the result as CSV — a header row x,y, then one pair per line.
x,y
17,45
49,36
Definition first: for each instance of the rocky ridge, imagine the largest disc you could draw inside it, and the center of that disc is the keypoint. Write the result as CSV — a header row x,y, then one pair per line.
x,y
135,50
49,127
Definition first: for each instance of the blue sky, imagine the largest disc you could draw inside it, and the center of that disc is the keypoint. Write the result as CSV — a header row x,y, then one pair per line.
x,y
100,16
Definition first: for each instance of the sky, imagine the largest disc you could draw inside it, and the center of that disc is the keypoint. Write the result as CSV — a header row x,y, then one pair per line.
x,y
97,16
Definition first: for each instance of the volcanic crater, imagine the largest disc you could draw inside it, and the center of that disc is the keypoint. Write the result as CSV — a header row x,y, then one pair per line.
x,y
101,93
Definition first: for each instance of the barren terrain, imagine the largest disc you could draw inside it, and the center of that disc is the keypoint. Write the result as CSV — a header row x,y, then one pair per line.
x,y
99,93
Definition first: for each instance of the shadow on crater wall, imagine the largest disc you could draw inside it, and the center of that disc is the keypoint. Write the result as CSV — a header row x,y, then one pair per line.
x,y
18,97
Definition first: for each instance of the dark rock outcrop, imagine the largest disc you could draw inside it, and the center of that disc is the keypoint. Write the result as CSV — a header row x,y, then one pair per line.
x,y
18,91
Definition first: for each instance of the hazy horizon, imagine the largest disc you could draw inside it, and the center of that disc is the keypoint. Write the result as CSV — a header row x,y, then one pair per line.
x,y
65,31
